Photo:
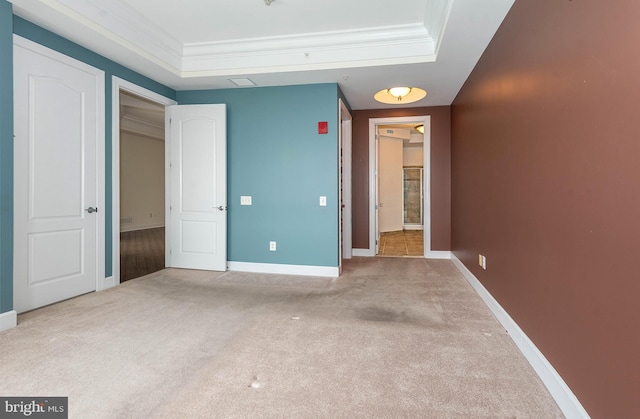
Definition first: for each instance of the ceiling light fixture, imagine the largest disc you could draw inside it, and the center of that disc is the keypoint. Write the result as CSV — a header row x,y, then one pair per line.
x,y
268,2
420,128
399,92
400,95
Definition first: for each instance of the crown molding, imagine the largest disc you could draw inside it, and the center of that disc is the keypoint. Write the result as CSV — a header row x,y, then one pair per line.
x,y
387,45
112,20
436,16
126,28
140,126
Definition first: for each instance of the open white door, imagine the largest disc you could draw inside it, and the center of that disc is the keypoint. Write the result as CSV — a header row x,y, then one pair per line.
x,y
58,177
197,187
389,184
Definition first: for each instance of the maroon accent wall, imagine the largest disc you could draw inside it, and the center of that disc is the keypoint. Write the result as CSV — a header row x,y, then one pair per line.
x,y
546,184
440,172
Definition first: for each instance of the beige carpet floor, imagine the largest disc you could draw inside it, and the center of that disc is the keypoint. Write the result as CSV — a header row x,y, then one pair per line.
x,y
390,338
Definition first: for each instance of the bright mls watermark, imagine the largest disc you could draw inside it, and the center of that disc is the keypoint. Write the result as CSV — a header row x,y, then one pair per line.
x,y
34,407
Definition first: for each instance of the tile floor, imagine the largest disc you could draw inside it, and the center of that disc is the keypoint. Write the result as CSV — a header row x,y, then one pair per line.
x,y
401,243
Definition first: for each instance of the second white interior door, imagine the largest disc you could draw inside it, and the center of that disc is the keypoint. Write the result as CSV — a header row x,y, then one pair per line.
x,y
197,234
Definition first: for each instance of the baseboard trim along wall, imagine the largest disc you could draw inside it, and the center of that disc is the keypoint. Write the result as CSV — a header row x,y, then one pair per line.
x,y
559,390
140,227
8,320
274,268
438,254
362,252
432,254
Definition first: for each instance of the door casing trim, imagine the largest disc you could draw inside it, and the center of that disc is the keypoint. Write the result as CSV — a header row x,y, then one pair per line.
x,y
373,179
117,85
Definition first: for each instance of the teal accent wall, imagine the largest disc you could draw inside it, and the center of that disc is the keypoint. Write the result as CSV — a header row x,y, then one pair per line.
x,y
6,157
37,34
275,155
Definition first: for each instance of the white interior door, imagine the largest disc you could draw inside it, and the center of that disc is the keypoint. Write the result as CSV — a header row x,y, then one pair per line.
x,y
390,185
58,109
197,187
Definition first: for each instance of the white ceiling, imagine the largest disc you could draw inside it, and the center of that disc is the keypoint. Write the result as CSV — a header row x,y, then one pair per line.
x,y
364,46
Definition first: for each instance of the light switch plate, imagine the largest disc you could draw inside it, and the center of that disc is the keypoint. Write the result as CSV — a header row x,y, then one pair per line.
x,y
323,201
245,200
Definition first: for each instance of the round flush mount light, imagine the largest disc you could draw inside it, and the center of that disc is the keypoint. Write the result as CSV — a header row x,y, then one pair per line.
x,y
400,95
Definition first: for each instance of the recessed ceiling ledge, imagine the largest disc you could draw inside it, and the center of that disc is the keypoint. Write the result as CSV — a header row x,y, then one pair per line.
x,y
233,71
381,46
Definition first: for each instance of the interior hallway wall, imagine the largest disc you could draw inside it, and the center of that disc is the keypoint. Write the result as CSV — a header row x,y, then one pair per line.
x,y
142,197
546,184
440,172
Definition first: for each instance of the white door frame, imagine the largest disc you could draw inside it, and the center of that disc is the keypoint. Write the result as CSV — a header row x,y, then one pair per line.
x,y
119,84
373,179
345,225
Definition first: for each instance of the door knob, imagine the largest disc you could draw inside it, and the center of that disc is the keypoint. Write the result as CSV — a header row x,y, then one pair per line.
x,y
91,210
221,208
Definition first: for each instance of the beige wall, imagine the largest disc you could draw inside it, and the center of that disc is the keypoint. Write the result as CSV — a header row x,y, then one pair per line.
x,y
142,199
413,155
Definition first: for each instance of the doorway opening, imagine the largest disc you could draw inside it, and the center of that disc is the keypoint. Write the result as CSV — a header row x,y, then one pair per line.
x,y
142,192
400,190
138,181
399,210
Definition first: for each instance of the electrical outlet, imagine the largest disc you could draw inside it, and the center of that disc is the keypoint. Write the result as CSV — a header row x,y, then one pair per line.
x,y
272,246
323,201
245,200
484,263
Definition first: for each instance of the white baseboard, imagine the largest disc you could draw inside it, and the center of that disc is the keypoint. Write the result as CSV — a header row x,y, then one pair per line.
x,y
274,268
363,252
8,320
438,254
432,254
140,227
562,394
